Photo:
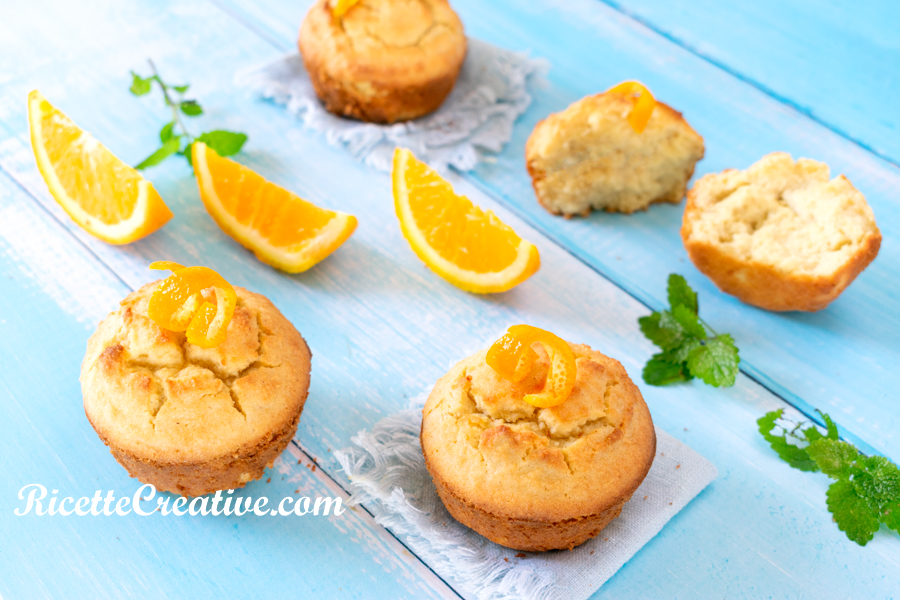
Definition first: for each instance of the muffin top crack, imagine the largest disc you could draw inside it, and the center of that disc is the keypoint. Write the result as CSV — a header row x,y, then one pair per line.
x,y
511,458
153,393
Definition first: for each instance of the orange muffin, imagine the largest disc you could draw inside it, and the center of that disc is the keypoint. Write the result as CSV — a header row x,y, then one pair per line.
x,y
537,478
588,157
780,235
194,420
383,61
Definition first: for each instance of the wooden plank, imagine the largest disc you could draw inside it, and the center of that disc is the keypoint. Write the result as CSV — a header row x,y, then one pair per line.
x,y
52,293
382,327
836,360
834,61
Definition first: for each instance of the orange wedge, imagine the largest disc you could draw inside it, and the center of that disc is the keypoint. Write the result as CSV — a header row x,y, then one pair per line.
x,y
102,194
469,247
282,229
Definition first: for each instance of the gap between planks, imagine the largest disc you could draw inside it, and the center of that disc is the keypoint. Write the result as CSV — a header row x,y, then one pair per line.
x,y
64,226
749,371
434,580
796,106
437,583
755,375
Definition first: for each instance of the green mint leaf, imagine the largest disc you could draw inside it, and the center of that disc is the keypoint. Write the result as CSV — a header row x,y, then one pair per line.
x,y
650,327
891,516
812,433
191,108
833,457
169,148
832,428
139,85
851,512
166,134
689,321
180,88
680,354
879,483
225,143
681,294
684,339
662,329
715,362
659,371
867,488
789,453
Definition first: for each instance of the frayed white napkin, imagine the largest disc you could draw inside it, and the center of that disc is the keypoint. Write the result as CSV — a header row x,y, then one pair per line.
x,y
478,115
388,475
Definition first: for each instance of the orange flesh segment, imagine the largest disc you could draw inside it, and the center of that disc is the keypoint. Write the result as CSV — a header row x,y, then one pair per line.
x,y
65,150
512,357
456,229
206,323
102,194
644,103
283,218
282,229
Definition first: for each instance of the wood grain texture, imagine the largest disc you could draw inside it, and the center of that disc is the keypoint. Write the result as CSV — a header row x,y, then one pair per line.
x,y
837,360
834,61
381,327
52,293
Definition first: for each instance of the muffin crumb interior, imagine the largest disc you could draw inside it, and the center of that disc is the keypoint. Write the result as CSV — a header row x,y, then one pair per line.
x,y
783,213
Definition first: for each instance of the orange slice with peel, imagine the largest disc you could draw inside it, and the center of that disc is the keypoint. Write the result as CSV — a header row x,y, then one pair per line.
x,y
512,357
469,247
106,197
282,229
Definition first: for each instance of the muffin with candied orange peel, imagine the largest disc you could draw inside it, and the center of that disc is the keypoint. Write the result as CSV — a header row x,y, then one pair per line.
x,y
619,151
195,385
537,444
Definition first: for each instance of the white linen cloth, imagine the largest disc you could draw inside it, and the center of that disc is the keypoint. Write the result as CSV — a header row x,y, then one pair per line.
x,y
388,475
478,115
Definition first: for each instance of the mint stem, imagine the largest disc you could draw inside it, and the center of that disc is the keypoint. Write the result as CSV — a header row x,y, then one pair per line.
x,y
175,115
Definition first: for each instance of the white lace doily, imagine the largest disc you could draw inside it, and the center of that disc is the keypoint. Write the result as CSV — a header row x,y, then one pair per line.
x,y
477,116
388,475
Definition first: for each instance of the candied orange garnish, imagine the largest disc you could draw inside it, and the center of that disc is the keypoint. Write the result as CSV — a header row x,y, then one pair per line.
x,y
341,7
644,103
184,302
512,357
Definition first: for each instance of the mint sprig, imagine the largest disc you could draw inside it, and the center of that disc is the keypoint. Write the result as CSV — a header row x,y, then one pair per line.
x,y
174,136
866,490
690,347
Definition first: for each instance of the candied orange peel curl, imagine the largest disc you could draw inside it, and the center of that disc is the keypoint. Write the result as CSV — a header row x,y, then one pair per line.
x,y
512,357
183,302
644,103
340,7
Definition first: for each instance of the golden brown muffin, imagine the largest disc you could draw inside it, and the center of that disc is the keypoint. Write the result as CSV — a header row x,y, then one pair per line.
x,y
537,478
780,235
384,60
589,157
194,420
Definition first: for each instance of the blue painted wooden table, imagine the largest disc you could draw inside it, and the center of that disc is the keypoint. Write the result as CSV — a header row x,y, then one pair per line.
x,y
817,79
